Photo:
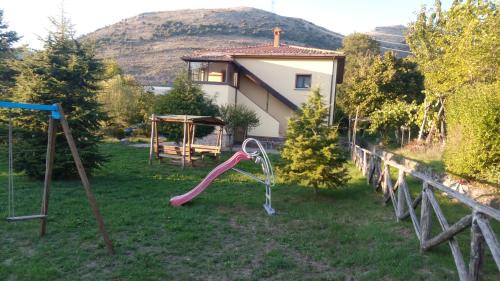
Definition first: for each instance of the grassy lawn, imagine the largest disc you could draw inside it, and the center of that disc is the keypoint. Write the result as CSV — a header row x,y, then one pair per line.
x,y
224,234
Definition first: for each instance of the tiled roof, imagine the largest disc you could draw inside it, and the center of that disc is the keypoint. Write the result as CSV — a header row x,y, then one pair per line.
x,y
283,50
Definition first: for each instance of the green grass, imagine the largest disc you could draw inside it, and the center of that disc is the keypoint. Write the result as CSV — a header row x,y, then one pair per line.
x,y
224,234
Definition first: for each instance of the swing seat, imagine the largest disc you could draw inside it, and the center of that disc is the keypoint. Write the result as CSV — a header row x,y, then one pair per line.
x,y
24,218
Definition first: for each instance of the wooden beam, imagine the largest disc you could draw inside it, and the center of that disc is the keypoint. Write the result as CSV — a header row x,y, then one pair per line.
x,y
49,165
401,200
157,139
425,218
24,218
490,211
455,249
85,180
490,238
151,141
409,202
389,189
414,205
184,139
449,233
476,251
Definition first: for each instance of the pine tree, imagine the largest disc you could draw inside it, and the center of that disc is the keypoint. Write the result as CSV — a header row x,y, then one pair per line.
x,y
312,153
7,38
65,72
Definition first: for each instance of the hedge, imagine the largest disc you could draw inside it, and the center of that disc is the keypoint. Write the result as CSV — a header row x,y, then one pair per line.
x,y
473,143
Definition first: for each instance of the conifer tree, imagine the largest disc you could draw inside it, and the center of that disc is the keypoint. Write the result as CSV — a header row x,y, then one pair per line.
x,y
312,153
65,72
7,38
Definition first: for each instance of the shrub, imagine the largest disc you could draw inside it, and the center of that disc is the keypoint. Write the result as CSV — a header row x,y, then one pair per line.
x,y
312,153
238,117
123,98
473,145
391,116
114,131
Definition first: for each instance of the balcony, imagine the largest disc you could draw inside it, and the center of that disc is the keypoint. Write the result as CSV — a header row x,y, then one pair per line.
x,y
213,73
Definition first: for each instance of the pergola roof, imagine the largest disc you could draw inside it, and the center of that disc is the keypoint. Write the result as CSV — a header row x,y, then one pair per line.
x,y
194,119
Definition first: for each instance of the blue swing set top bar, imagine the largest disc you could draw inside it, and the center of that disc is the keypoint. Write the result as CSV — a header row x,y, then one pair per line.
x,y
53,108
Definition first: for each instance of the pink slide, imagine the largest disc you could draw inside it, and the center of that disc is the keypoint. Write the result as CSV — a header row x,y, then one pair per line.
x,y
219,170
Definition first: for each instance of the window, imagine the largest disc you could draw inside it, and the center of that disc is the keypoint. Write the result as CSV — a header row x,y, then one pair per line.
x,y
199,71
303,81
208,71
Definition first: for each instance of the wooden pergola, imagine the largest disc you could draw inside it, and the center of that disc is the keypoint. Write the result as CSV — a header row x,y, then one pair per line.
x,y
186,152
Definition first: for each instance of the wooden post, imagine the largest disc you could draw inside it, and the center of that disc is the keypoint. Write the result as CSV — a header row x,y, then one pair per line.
x,y
157,139
455,249
190,141
49,164
365,165
349,133
151,141
85,180
400,199
355,127
193,137
184,142
409,202
448,233
425,218
369,175
490,238
476,251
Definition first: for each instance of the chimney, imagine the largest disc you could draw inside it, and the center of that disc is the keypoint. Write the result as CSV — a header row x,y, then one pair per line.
x,y
276,32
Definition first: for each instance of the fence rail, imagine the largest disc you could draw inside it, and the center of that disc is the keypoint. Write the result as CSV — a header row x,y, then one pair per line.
x,y
377,169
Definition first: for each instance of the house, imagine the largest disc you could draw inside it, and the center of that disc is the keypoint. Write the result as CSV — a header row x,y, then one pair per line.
x,y
273,80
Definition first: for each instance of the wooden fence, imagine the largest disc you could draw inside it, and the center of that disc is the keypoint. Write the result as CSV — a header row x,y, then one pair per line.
x,y
377,169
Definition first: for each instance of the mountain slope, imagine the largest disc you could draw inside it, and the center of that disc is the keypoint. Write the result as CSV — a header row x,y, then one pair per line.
x,y
149,46
391,38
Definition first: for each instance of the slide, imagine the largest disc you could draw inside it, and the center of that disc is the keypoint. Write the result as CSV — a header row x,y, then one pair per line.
x,y
219,170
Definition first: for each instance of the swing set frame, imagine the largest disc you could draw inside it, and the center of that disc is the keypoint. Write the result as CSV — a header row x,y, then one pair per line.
x,y
56,113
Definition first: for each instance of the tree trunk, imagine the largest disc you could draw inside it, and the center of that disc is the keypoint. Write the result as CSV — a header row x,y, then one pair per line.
x,y
422,126
440,119
429,135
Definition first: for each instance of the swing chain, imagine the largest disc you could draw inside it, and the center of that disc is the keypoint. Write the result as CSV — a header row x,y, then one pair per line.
x,y
10,192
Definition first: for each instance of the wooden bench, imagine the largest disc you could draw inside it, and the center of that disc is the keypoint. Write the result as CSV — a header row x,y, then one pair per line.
x,y
206,149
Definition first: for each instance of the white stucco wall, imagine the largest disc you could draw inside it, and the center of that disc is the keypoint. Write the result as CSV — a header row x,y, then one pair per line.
x,y
268,127
280,74
221,94
224,94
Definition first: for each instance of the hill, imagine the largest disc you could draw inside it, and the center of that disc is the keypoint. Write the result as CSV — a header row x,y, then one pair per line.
x,y
391,38
149,46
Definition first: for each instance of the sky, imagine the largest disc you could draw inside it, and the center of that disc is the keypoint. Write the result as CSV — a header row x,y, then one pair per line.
x,y
30,18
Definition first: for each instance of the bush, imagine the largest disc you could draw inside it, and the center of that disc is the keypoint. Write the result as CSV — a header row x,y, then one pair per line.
x,y
238,117
115,132
391,116
312,153
473,145
123,98
184,98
